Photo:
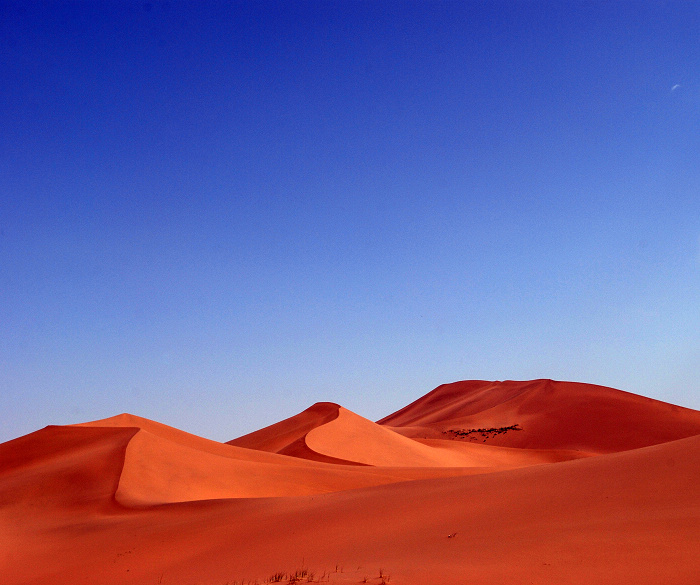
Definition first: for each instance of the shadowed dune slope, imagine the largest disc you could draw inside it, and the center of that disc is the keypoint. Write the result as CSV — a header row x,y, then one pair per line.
x,y
62,468
551,414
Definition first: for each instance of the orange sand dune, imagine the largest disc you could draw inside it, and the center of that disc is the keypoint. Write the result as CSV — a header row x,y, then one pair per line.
x,y
352,437
552,415
330,433
162,464
288,437
165,465
128,500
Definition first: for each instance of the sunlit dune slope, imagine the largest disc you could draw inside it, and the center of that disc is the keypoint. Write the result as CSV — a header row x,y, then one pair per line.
x,y
162,464
549,414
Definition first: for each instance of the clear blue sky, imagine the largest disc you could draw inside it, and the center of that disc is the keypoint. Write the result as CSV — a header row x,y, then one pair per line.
x,y
215,214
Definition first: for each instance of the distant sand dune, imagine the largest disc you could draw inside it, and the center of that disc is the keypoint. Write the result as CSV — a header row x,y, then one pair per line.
x,y
552,415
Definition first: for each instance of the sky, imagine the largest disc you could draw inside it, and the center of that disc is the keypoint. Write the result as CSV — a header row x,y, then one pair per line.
x,y
214,214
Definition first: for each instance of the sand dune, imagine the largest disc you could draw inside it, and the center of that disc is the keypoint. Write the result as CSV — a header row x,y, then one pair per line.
x,y
352,437
281,435
330,433
288,437
552,415
163,465
128,500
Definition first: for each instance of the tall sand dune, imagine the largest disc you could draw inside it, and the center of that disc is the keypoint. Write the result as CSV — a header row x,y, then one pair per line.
x,y
550,415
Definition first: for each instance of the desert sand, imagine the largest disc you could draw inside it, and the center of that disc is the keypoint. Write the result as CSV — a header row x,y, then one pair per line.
x,y
537,482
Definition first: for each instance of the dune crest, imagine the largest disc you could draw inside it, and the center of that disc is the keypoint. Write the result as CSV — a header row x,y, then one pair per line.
x,y
281,435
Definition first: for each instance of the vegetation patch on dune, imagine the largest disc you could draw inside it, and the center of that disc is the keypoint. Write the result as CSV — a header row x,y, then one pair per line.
x,y
485,433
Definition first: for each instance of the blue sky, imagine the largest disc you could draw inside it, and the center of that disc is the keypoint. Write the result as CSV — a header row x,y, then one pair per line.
x,y
215,214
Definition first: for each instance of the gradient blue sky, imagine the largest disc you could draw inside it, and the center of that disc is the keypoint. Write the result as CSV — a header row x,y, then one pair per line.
x,y
215,214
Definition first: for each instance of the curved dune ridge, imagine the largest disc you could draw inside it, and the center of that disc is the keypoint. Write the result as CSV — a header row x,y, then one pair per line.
x,y
288,437
279,436
550,414
162,464
593,485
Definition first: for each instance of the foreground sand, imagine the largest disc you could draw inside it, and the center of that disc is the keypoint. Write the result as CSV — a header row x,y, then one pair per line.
x,y
592,485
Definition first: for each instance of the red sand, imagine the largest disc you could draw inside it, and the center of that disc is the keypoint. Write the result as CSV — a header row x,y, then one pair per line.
x,y
598,486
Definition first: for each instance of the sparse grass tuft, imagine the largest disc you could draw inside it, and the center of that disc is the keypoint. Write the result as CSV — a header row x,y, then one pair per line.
x,y
300,575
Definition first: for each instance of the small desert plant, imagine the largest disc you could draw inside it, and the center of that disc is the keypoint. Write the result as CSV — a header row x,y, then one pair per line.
x,y
300,574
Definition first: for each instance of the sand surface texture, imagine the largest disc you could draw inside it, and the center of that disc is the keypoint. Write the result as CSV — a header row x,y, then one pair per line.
x,y
537,482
